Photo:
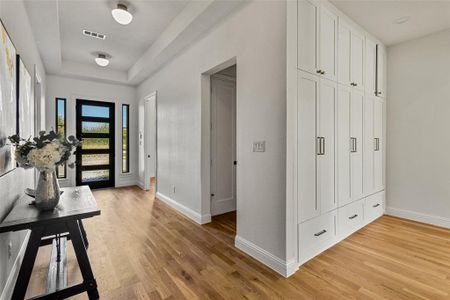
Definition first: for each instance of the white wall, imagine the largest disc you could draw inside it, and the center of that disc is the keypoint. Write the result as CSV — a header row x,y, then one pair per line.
x,y
72,89
418,135
256,36
14,16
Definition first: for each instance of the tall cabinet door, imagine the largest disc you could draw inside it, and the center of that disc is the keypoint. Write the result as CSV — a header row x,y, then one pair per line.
x,y
369,145
308,95
343,194
357,59
356,141
344,53
307,39
325,120
328,43
371,67
378,141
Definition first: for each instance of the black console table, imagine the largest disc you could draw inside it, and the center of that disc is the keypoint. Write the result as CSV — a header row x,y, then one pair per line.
x,y
52,227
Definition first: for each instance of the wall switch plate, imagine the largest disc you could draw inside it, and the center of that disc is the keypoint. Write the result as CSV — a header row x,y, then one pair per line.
x,y
259,146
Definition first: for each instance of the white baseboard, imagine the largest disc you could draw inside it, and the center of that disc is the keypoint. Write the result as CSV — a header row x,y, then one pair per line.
x,y
11,281
223,206
124,181
141,185
275,263
193,215
419,217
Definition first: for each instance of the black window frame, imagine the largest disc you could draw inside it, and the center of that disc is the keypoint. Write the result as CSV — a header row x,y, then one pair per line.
x,y
57,99
127,140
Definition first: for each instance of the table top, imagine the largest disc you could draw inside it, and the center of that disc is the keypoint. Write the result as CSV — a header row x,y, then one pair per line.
x,y
76,203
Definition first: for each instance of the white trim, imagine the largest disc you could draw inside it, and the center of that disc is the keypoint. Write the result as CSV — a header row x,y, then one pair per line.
x,y
10,282
275,263
419,217
140,184
193,215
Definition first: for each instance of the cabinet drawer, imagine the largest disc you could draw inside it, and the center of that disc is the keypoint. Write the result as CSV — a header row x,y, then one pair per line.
x,y
316,235
350,218
374,207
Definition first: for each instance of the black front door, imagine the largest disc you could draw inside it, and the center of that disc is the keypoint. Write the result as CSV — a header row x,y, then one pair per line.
x,y
95,157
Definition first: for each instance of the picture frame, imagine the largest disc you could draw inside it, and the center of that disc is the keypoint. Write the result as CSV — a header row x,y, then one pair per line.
x,y
8,100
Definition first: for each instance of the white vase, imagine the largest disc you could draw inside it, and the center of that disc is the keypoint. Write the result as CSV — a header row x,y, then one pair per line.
x,y
47,191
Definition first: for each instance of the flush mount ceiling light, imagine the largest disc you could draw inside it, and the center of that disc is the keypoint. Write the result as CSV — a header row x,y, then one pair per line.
x,y
102,59
121,14
402,20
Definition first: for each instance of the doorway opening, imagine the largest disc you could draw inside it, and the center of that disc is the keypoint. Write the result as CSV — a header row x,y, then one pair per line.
x,y
223,141
150,143
95,157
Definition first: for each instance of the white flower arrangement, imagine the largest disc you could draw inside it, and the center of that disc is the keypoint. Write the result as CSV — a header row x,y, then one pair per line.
x,y
45,151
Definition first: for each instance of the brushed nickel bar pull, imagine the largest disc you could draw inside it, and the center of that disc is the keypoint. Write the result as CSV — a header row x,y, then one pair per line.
x,y
323,145
320,233
352,217
353,144
319,145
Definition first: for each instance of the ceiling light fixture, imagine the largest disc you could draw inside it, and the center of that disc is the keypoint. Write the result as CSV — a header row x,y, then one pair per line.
x,y
402,20
121,14
102,59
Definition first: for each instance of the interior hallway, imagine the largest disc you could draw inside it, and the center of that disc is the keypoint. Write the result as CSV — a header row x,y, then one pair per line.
x,y
140,248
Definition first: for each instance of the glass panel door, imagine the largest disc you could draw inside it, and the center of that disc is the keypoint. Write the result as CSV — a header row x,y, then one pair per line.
x,y
95,157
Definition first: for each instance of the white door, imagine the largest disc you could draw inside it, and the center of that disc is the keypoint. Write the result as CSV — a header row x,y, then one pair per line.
x,y
368,146
356,141
371,65
357,59
325,120
223,146
149,139
308,43
344,53
378,144
380,70
328,43
308,94
343,146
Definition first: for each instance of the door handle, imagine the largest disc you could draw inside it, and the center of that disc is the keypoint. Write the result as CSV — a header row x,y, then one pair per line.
x,y
353,147
377,144
320,233
320,145
352,217
319,71
376,205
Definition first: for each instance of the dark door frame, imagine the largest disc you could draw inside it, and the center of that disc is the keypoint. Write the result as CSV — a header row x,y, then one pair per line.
x,y
110,151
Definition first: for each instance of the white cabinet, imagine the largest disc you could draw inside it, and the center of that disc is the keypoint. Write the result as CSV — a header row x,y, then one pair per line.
x,y
316,125
317,39
373,145
351,56
371,67
349,181
325,145
308,94
378,145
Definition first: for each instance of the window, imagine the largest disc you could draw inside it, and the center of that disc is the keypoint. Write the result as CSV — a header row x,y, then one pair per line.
x,y
60,117
125,138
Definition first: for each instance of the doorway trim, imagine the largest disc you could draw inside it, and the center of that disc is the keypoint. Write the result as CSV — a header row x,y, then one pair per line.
x,y
146,150
205,155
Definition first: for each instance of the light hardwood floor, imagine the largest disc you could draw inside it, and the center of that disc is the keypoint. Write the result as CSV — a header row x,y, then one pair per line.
x,y
142,249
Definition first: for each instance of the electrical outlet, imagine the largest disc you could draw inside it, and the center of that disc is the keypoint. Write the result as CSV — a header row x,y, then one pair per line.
x,y
9,249
259,146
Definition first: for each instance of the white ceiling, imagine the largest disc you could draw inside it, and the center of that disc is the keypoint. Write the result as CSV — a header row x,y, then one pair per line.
x,y
159,31
378,17
124,43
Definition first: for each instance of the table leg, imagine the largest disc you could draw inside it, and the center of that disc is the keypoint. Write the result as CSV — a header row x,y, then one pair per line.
x,y
83,260
83,232
26,267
